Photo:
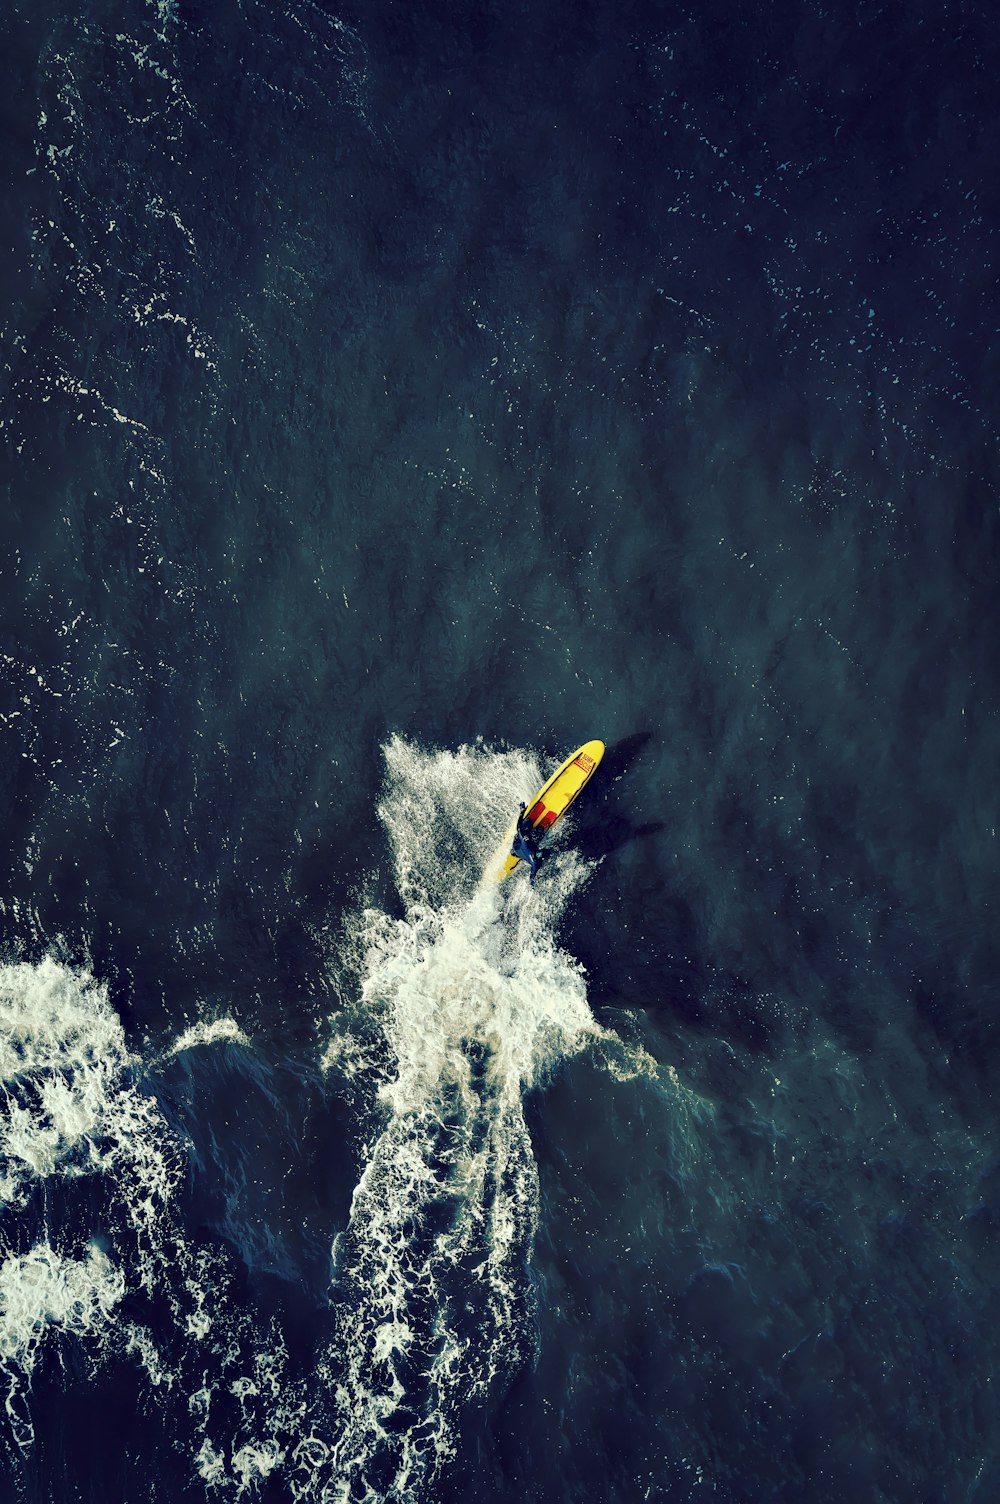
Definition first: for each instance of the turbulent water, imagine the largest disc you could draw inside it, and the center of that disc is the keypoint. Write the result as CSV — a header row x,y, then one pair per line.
x,y
392,399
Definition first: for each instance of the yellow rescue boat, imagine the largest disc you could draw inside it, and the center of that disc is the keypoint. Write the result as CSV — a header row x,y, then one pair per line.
x,y
555,797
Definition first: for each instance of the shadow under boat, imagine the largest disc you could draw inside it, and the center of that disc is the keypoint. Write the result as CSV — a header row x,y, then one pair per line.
x,y
602,827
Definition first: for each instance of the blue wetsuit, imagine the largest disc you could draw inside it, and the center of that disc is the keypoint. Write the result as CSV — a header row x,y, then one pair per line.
x,y
526,843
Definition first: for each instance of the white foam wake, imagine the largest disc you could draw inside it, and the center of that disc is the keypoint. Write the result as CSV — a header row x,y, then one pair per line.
x,y
475,1003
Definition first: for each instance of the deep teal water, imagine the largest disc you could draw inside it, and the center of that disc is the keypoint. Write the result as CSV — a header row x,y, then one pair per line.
x,y
394,398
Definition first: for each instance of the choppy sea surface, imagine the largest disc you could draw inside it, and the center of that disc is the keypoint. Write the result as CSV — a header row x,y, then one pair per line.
x,y
394,397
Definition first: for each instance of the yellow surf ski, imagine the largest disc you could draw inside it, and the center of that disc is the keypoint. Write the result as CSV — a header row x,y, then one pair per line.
x,y
555,797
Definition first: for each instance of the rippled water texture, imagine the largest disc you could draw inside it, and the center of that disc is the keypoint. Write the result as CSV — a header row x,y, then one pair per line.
x,y
392,399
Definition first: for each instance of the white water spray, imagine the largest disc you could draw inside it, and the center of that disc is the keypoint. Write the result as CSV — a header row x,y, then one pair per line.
x,y
475,1004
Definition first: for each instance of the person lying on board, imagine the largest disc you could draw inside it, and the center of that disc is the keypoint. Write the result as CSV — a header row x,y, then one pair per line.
x,y
526,839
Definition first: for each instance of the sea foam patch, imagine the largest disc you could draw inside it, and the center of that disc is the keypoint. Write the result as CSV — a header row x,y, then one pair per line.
x,y
44,1292
75,1102
70,1106
214,1031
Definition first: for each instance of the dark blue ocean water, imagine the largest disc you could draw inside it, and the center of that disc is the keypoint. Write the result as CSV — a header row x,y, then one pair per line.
x,y
394,397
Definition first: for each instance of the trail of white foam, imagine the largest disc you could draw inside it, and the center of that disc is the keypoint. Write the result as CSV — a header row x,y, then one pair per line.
x,y
476,1004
